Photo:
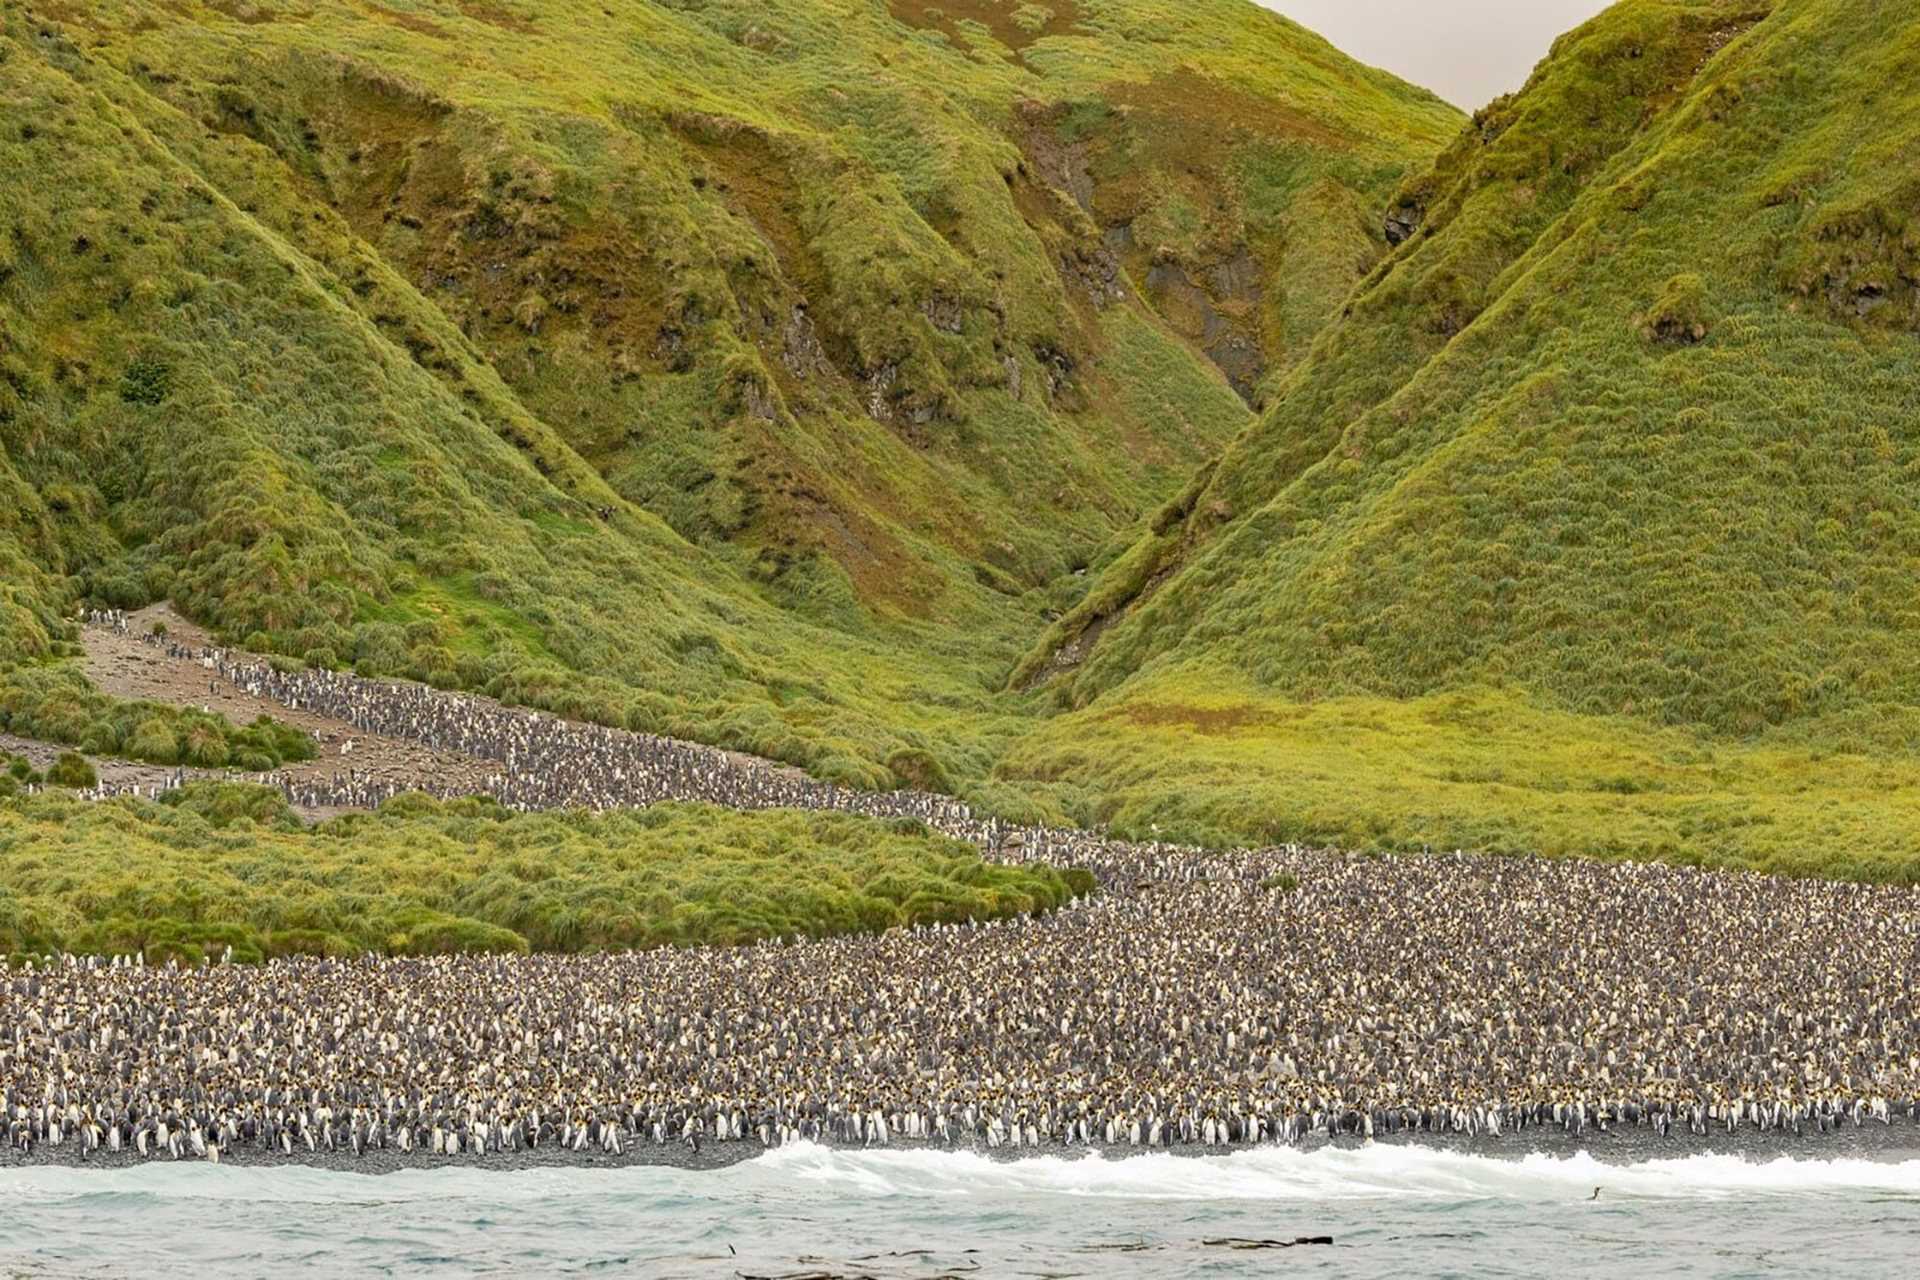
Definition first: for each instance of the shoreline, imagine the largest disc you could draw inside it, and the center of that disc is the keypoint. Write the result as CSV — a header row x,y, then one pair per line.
x,y
1220,1000
1872,1141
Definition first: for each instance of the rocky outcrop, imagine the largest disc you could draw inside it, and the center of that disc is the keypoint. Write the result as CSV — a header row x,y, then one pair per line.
x,y
1217,309
1402,221
800,349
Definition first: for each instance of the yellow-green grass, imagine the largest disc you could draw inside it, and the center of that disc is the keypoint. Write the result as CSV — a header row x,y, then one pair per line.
x,y
458,340
1202,755
218,866
1625,430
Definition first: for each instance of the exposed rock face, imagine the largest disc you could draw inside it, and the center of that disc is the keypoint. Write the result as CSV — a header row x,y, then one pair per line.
x,y
1402,222
1678,333
943,313
758,401
880,392
1057,367
1219,313
1096,272
800,349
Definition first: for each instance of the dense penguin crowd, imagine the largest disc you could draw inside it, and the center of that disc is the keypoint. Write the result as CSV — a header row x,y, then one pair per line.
x,y
1214,1007
1201,1000
545,762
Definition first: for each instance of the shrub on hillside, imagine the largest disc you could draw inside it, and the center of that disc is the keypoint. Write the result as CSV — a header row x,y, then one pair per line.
x,y
919,770
147,382
1680,315
72,770
154,741
56,704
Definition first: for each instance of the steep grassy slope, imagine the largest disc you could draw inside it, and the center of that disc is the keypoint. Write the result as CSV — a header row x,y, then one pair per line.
x,y
794,276
1620,443
757,372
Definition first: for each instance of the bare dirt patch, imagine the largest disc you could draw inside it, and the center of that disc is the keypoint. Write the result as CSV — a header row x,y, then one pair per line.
x,y
410,21
120,775
498,16
1199,719
125,666
1005,19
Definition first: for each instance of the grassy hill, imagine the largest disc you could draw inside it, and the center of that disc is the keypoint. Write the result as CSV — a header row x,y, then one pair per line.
x,y
762,372
1592,523
774,373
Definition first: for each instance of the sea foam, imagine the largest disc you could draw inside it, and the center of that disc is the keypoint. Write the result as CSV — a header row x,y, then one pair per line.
x,y
1376,1171
1372,1172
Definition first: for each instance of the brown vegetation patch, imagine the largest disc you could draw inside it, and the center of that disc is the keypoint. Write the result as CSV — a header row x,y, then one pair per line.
x,y
1183,131
1060,162
1215,720
1179,136
797,519
409,21
244,11
1015,24
753,175
495,15
476,227
1189,120
1698,46
66,13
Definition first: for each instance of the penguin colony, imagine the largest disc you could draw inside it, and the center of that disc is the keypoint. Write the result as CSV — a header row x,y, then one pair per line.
x,y
1201,1000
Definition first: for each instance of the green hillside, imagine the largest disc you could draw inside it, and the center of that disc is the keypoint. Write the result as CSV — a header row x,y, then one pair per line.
x,y
1593,522
762,371
866,384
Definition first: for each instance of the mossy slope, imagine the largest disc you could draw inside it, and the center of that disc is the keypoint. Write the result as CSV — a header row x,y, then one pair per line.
x,y
1624,429
754,371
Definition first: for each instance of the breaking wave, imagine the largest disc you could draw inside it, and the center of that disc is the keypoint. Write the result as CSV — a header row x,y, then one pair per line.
x,y
1378,1171
1380,1212
1339,1173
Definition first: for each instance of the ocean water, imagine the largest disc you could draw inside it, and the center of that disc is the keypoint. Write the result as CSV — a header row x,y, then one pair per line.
x,y
1392,1211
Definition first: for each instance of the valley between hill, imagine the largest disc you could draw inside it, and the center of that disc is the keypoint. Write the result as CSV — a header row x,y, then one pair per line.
x,y
1108,412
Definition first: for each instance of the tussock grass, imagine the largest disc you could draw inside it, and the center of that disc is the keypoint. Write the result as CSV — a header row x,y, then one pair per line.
x,y
753,371
225,865
756,372
1623,433
55,703
1204,757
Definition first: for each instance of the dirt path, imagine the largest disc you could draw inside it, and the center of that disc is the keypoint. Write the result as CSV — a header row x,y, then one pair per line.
x,y
122,665
125,667
115,773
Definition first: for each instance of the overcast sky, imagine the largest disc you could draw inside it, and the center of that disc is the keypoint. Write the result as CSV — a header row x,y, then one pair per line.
x,y
1467,51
